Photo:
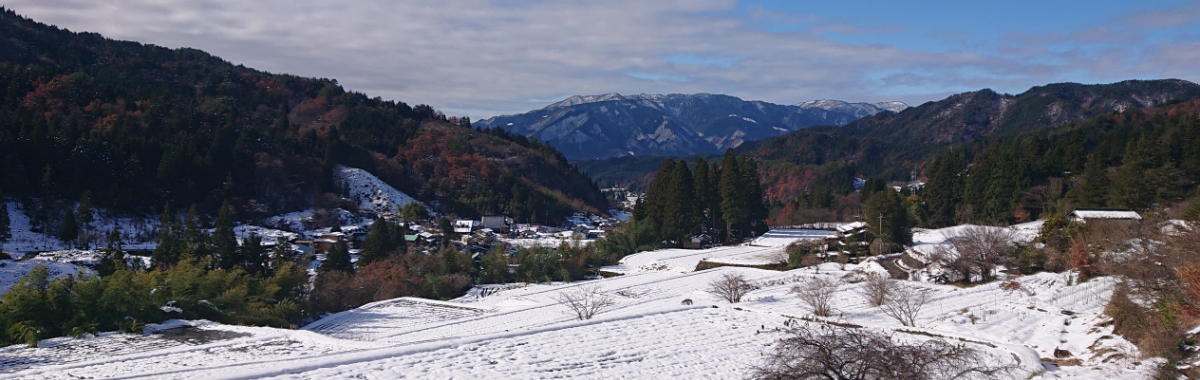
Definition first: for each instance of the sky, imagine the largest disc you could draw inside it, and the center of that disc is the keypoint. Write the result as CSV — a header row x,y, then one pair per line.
x,y
481,58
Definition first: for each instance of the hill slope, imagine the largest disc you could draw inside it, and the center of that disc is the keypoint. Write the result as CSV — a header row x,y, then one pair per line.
x,y
613,125
141,125
966,116
894,145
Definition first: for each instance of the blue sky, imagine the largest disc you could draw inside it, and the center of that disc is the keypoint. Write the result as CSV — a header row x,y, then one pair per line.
x,y
481,58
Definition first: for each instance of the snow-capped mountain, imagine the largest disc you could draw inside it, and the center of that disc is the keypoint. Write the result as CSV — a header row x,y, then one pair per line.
x,y
612,125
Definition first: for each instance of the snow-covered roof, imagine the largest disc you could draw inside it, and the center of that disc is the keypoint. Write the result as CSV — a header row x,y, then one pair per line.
x,y
466,223
1081,215
851,226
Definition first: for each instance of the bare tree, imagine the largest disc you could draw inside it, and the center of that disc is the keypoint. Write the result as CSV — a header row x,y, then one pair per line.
x,y
876,289
731,287
817,293
831,352
585,300
978,250
904,303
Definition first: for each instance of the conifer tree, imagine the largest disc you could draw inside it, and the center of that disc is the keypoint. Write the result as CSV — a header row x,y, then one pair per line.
x,y
718,222
887,218
166,254
733,206
706,195
871,186
1095,184
254,257
194,242
1129,188
224,241
5,228
85,215
656,196
679,208
639,209
380,242
281,253
338,259
756,207
68,231
943,192
114,256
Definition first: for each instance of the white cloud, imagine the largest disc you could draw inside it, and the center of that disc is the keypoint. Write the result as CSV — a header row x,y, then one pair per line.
x,y
480,58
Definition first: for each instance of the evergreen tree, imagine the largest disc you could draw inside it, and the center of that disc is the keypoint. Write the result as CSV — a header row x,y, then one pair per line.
x,y
756,206
1129,188
114,256
85,215
656,196
707,195
733,206
194,242
224,241
718,222
943,192
166,254
254,257
887,218
68,231
281,254
5,228
680,219
338,259
380,242
1095,184
871,186
639,209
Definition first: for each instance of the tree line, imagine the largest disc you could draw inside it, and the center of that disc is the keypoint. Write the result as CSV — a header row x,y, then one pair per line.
x,y
1130,160
725,201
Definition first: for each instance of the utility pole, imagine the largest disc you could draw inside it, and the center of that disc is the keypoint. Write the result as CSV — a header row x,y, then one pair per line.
x,y
879,228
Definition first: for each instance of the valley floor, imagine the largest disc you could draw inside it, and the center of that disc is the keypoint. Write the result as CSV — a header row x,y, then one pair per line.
x,y
520,331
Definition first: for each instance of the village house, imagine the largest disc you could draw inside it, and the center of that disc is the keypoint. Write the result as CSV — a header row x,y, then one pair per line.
x,y
499,223
1105,217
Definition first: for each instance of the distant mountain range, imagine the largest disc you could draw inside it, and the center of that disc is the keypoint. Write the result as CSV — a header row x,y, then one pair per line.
x,y
615,125
969,115
895,144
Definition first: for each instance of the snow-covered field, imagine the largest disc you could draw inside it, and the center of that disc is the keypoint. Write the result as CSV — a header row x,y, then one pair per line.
x,y
520,331
765,250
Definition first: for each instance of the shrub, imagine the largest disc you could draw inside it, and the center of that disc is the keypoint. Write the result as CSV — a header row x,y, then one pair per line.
x,y
585,300
834,352
730,287
904,303
876,290
817,294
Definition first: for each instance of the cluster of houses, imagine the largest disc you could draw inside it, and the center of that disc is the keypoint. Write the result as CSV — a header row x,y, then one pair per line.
x,y
491,228
472,234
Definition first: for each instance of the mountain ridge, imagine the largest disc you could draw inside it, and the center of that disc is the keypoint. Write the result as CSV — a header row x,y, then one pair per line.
x,y
614,125
139,126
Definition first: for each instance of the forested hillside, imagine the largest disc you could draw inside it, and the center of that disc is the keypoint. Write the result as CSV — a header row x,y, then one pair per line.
x,y
141,126
1133,159
808,175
